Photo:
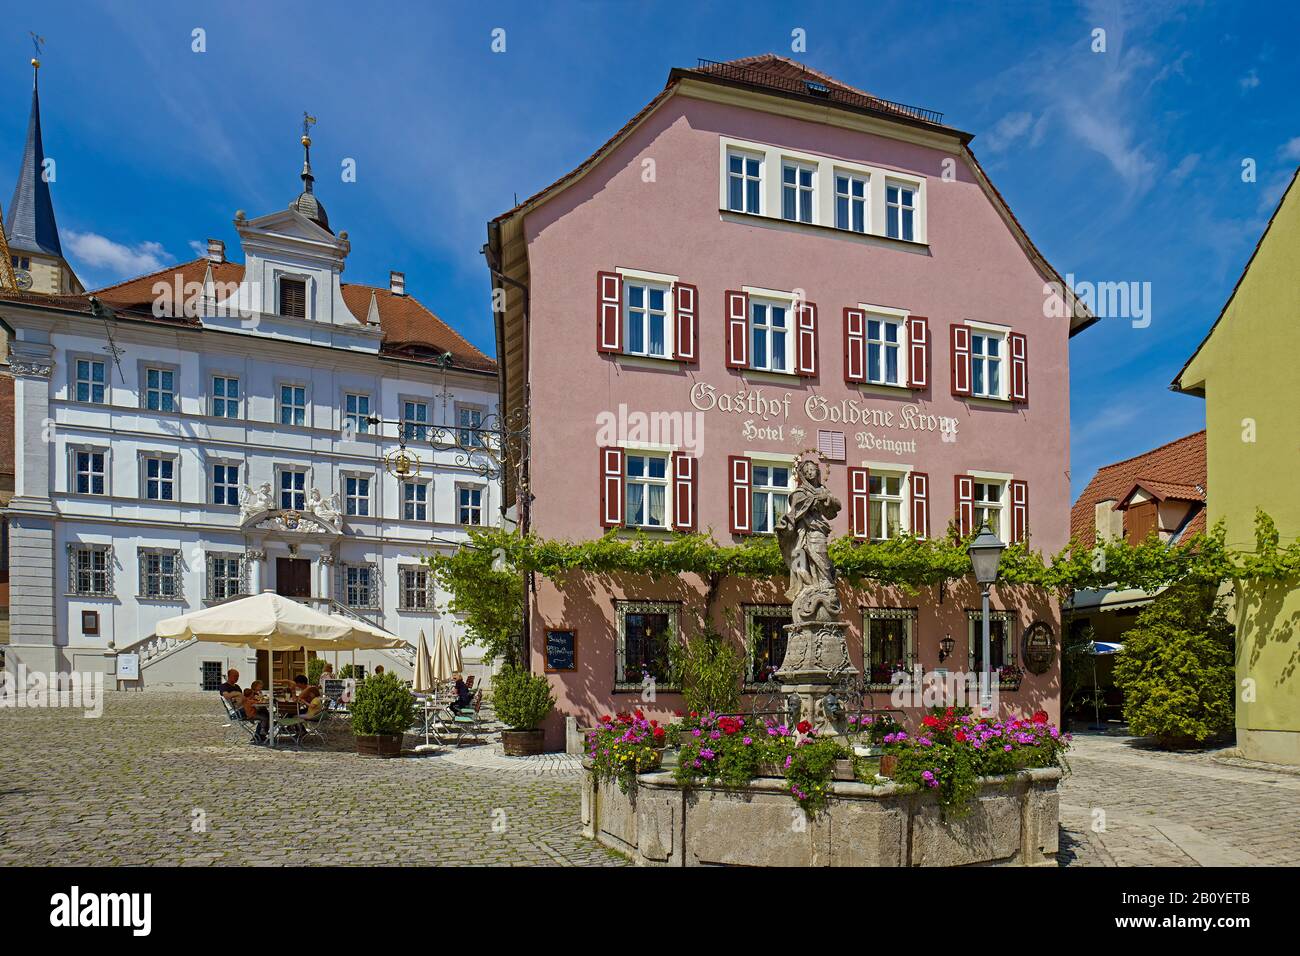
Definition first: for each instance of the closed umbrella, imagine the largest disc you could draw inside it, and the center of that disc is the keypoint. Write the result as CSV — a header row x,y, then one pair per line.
x,y
423,680
271,622
446,657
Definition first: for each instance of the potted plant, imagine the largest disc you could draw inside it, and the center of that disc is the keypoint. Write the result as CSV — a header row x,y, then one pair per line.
x,y
521,701
382,709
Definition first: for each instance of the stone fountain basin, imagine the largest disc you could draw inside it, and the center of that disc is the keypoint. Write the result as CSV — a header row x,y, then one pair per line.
x,y
1013,822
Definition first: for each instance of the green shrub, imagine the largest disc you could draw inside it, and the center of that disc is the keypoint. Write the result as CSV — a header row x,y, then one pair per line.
x,y
1176,669
521,700
349,671
382,705
315,667
711,671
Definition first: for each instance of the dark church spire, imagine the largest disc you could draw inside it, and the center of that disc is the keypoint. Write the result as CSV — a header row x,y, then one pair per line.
x,y
29,218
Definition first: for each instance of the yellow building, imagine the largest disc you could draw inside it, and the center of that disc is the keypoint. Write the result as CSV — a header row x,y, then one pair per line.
x,y
1248,372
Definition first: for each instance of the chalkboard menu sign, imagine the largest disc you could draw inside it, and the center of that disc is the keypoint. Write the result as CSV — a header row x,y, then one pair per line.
x,y
561,650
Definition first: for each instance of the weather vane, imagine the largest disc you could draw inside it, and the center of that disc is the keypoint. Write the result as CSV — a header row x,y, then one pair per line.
x,y
308,121
37,41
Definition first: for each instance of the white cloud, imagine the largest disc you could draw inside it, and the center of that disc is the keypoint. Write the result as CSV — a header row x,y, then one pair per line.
x,y
113,259
198,248
1290,149
1184,168
1007,130
1249,81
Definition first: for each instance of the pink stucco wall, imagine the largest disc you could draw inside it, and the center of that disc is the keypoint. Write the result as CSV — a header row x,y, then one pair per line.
x,y
972,269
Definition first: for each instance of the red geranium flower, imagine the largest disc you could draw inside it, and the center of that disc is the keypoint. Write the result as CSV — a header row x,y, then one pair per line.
x,y
803,726
1040,717
659,733
961,736
639,715
728,725
930,720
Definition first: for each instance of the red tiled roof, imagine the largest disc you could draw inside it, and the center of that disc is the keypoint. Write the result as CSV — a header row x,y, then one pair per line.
x,y
1164,491
1178,465
410,329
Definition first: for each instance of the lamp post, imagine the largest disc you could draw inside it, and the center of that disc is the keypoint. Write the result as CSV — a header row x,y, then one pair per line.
x,y
985,551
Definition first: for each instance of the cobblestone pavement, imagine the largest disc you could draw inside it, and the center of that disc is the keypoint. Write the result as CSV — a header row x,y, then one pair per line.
x,y
1127,805
133,786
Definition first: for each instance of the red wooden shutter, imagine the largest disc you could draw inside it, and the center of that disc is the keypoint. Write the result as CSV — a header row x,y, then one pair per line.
x,y
855,345
687,298
739,471
806,343
918,351
683,491
1019,511
609,312
737,329
920,504
960,360
611,487
1019,367
965,490
860,502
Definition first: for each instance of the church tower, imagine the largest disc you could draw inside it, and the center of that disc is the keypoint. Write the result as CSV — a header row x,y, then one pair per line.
x,y
30,229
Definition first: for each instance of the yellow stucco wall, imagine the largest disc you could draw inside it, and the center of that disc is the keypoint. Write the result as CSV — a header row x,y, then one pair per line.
x,y
1250,371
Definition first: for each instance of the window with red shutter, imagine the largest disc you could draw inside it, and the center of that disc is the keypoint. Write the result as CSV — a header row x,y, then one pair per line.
x,y
860,502
964,486
684,491
609,312
686,346
806,343
1019,511
737,313
738,470
1019,367
920,504
611,487
918,351
855,345
960,360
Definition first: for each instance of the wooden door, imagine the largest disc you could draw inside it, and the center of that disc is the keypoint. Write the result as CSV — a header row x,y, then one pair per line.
x,y
293,577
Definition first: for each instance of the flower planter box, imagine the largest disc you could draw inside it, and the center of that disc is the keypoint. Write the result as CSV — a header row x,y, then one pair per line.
x,y
522,743
379,745
1012,822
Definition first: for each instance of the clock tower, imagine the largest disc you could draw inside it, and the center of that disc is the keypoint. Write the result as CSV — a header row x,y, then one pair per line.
x,y
36,255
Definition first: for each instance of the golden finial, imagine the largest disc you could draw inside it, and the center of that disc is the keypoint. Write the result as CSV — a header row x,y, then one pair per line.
x,y
306,140
36,64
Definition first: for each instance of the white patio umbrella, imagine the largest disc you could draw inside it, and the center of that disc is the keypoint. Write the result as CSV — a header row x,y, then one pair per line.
x,y
422,683
446,657
1096,648
271,622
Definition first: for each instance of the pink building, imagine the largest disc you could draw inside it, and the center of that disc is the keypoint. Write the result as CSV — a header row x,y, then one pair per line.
x,y
762,261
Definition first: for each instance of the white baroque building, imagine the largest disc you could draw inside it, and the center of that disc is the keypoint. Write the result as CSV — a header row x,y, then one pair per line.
x,y
217,429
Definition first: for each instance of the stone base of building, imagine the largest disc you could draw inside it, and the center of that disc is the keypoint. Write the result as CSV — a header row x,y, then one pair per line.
x,y
1014,822
1269,746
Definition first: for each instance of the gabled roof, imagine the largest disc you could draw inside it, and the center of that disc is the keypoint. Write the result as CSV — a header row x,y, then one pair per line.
x,y
1162,491
410,329
1180,464
29,218
1194,389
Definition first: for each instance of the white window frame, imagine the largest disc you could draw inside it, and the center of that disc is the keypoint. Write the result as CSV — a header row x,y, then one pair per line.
x,y
870,614
147,390
415,429
280,472
74,471
893,182
292,407
1002,509
370,600
415,507
162,458
227,485
648,285
147,575
470,436
768,299
406,590
463,508
885,474
745,155
799,190
645,482
1001,334
306,281
359,419
75,362
356,503
851,176
225,400
75,549
769,490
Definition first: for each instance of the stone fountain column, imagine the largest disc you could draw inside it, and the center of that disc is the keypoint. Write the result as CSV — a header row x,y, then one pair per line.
x,y
816,658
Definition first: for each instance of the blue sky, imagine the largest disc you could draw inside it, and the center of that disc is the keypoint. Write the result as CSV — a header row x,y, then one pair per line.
x,y
1123,165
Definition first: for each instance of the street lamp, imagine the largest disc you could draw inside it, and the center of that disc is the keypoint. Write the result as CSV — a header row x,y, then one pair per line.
x,y
985,551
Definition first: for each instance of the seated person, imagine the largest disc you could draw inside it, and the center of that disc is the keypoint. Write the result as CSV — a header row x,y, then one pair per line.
x,y
230,688
464,694
255,709
304,691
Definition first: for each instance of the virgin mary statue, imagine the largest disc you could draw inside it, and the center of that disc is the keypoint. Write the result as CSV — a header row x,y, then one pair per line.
x,y
803,535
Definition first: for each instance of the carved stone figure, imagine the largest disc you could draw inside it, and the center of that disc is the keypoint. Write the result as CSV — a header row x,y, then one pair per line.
x,y
326,509
803,533
255,502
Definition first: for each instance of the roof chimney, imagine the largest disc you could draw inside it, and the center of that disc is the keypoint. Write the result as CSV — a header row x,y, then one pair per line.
x,y
216,250
397,283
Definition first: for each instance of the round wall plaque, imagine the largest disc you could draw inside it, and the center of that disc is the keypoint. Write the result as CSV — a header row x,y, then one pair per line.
x,y
1039,647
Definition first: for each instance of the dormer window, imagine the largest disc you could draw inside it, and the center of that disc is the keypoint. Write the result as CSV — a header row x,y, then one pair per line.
x,y
293,297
